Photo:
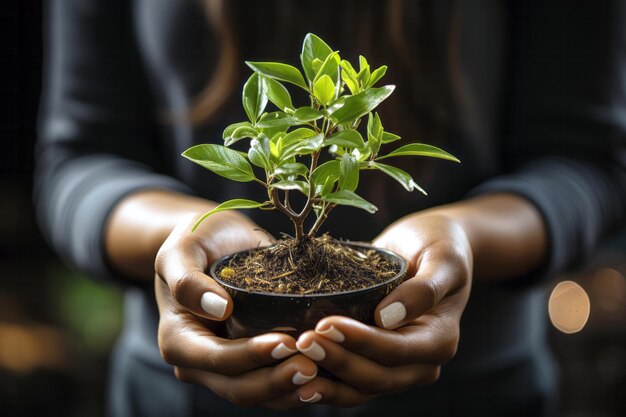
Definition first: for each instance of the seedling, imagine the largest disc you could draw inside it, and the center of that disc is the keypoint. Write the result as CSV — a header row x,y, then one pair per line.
x,y
286,144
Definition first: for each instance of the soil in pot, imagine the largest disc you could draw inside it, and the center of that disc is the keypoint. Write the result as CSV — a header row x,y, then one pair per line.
x,y
318,265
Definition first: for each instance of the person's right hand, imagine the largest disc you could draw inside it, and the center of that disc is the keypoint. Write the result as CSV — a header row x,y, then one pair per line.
x,y
192,306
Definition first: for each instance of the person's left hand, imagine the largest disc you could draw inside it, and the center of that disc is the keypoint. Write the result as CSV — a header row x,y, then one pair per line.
x,y
418,323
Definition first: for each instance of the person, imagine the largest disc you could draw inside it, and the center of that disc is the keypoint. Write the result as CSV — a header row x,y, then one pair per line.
x,y
530,96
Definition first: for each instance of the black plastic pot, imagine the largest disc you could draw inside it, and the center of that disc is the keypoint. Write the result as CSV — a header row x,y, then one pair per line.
x,y
255,312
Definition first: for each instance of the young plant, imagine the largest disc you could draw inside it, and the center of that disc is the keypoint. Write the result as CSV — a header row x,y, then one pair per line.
x,y
282,140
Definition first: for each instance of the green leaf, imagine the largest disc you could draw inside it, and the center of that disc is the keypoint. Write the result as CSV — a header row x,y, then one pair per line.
x,y
324,177
278,120
292,170
228,132
337,104
399,175
389,137
238,203
260,153
364,71
301,186
361,104
241,132
363,64
348,138
303,147
297,135
329,67
254,98
308,114
348,173
377,75
420,149
351,81
277,94
361,154
348,198
374,132
313,48
324,90
348,68
221,160
272,131
316,65
279,71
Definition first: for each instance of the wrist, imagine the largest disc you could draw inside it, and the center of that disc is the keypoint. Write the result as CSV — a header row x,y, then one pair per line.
x,y
505,232
139,225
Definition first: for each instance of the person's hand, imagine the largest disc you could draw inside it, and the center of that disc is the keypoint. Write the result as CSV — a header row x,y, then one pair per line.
x,y
192,306
418,323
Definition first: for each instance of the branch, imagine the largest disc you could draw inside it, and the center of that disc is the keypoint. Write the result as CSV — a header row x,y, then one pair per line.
x,y
320,220
295,218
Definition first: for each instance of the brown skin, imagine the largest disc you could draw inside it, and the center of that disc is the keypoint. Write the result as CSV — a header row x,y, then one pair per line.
x,y
492,237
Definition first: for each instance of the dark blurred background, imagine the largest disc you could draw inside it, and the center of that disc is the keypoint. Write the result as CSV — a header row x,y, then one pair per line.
x,y
57,327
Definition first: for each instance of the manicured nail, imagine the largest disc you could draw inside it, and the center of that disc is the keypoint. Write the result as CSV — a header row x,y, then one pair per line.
x,y
315,351
300,379
393,314
213,304
281,351
314,398
332,333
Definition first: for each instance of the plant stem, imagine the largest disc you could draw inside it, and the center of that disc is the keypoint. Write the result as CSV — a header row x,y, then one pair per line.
x,y
309,202
295,218
320,220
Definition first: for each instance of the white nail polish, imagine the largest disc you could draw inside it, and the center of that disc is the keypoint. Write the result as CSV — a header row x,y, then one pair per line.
x,y
213,304
332,333
315,351
300,379
281,351
393,314
314,398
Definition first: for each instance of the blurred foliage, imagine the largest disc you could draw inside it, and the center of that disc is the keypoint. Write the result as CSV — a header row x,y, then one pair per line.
x,y
92,311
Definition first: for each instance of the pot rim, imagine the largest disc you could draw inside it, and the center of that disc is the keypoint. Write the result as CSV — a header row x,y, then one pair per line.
x,y
401,273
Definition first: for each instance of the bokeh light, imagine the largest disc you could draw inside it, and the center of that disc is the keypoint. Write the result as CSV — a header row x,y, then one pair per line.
x,y
569,307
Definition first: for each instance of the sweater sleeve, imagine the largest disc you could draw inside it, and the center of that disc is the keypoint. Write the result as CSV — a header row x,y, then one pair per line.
x,y
96,128
565,122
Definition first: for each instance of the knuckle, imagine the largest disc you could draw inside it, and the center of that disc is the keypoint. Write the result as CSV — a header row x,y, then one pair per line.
x,y
180,286
434,290
254,352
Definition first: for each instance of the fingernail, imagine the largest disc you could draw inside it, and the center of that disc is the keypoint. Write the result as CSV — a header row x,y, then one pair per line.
x,y
314,398
300,379
281,351
315,351
213,304
393,314
332,333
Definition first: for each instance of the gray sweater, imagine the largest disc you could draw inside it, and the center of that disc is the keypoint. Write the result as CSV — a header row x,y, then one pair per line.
x,y
548,89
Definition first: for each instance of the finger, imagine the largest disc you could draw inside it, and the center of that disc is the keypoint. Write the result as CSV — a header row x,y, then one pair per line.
x,y
325,391
434,342
181,263
258,386
185,342
442,270
363,374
